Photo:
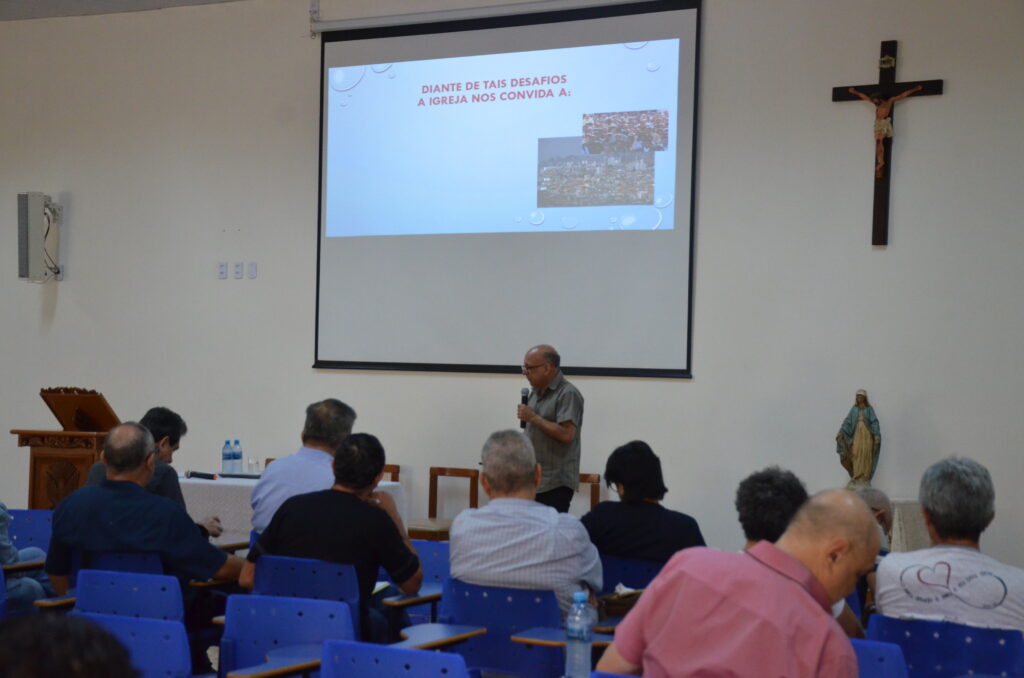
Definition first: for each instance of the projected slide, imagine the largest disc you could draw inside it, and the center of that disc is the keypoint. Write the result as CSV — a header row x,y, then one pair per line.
x,y
571,139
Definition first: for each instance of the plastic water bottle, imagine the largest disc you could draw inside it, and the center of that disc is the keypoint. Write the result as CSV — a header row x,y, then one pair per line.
x,y
236,458
578,624
226,457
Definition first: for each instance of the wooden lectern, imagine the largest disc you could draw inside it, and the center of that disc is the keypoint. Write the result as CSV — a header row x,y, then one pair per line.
x,y
60,460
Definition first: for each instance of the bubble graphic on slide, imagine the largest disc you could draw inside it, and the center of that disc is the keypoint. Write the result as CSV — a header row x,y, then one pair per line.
x,y
657,223
391,75
380,68
518,220
663,200
634,45
652,67
536,217
569,223
345,78
628,221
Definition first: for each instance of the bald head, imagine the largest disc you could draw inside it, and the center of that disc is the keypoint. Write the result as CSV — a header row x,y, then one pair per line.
x,y
835,536
547,353
126,447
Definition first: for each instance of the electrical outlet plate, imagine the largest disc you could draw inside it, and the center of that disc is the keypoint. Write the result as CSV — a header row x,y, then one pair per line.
x,y
239,269
252,270
222,270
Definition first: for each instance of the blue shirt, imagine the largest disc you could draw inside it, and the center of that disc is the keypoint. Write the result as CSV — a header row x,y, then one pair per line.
x,y
120,516
307,470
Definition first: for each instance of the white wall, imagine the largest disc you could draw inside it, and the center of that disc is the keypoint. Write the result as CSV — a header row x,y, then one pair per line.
x,y
177,138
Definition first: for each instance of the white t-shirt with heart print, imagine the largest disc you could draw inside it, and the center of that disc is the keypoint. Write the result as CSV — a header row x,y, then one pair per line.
x,y
951,583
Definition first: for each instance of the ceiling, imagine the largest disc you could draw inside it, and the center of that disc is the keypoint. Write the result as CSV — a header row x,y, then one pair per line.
x,y
11,10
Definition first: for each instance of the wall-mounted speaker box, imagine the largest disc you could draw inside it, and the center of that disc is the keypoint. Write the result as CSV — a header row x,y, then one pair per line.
x,y
37,226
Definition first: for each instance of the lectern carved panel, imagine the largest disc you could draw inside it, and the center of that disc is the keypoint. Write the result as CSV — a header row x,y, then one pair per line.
x,y
60,442
62,478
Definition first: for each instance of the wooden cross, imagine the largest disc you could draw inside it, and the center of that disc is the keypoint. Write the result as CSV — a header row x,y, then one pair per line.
x,y
883,96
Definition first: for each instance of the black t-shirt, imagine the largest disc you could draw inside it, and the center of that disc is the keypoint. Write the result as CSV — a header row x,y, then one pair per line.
x,y
341,528
645,531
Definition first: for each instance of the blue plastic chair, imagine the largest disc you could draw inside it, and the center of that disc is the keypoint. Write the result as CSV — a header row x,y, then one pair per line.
x,y
255,624
130,594
30,527
602,674
879,660
307,578
503,612
158,648
634,573
936,649
853,602
346,659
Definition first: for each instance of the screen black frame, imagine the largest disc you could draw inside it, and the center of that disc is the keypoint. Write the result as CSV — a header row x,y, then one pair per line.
x,y
510,21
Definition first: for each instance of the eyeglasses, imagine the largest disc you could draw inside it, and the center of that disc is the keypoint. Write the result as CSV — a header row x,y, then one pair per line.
x,y
527,368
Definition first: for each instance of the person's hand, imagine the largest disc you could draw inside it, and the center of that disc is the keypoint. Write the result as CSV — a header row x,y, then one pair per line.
x,y
524,413
212,525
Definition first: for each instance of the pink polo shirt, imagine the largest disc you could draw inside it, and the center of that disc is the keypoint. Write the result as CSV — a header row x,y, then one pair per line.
x,y
722,614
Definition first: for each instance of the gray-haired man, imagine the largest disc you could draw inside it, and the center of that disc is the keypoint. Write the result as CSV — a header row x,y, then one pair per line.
x,y
515,541
953,580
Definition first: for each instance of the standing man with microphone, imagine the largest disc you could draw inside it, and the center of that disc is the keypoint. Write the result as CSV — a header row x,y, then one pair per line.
x,y
552,416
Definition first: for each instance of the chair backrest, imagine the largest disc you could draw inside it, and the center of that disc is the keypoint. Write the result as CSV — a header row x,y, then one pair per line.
x,y
943,649
308,578
158,648
30,527
254,624
393,471
634,573
594,480
130,594
3,596
439,471
344,659
435,559
876,659
503,611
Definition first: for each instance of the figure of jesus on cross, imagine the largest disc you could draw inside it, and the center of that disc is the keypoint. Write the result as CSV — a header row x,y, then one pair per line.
x,y
883,120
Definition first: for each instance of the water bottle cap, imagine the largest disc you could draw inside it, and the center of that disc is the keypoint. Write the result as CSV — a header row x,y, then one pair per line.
x,y
579,596
227,442
236,442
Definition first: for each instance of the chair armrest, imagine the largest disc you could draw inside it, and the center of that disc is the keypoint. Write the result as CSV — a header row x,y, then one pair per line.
x,y
430,636
58,603
233,546
25,566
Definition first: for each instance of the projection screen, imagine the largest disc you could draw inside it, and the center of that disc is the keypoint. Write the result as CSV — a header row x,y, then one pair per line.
x,y
491,184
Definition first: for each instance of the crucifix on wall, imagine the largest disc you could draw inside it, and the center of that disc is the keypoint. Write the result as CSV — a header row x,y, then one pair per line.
x,y
883,95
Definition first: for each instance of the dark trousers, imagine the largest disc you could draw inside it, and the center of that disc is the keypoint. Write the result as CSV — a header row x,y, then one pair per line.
x,y
558,498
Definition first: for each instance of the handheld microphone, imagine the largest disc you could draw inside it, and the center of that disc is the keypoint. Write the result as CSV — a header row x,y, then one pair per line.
x,y
200,474
524,398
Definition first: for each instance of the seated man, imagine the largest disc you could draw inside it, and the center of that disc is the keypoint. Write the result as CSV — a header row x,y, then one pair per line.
x,y
348,523
763,612
328,422
766,501
515,541
22,587
167,428
638,526
119,515
953,580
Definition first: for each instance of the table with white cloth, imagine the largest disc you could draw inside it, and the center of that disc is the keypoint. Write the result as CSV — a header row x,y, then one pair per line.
x,y
228,499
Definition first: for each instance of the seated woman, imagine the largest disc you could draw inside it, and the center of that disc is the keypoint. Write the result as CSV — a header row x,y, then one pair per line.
x,y
22,587
638,526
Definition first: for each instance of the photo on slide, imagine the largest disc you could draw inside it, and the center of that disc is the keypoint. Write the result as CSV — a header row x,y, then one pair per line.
x,y
639,131
568,176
